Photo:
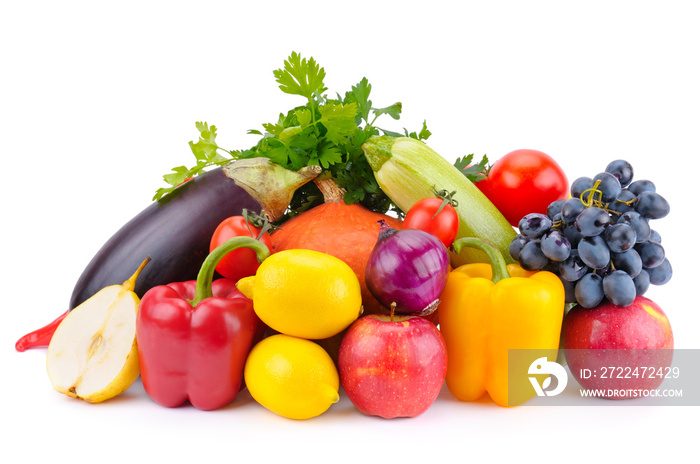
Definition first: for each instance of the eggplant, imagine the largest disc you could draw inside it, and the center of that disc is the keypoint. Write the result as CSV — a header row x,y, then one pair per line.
x,y
175,231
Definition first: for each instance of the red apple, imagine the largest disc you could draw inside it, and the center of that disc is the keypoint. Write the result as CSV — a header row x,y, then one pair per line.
x,y
392,366
617,349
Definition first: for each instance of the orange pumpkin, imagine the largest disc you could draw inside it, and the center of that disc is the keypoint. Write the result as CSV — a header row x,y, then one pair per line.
x,y
348,232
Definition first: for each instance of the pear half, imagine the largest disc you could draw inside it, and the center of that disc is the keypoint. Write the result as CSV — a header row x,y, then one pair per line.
x,y
93,354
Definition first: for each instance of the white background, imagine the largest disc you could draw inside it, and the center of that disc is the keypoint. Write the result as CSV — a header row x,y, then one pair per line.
x,y
98,100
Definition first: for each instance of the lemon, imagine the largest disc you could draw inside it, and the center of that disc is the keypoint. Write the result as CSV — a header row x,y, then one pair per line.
x,y
292,377
304,293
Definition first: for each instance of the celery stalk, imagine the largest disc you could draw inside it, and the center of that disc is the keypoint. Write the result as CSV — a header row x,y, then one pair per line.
x,y
407,170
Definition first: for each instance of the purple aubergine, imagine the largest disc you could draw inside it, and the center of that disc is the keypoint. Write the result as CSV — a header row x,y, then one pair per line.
x,y
407,268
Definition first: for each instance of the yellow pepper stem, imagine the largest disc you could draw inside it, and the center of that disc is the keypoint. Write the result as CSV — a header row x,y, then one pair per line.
x,y
498,263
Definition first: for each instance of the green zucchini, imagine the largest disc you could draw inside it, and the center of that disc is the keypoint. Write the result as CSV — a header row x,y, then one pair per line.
x,y
407,170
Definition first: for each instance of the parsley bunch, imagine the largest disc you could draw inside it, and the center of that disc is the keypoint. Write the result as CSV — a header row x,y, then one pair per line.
x,y
328,132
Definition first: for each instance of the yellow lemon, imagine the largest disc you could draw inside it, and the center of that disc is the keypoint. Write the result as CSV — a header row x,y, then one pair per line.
x,y
304,293
292,377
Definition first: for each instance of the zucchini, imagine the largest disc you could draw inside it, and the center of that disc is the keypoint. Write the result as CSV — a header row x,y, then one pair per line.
x,y
408,170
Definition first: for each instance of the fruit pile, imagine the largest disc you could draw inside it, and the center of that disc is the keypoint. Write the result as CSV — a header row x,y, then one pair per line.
x,y
335,256
599,241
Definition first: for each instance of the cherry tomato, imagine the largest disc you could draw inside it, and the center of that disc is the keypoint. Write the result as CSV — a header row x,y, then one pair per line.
x,y
523,182
241,262
422,216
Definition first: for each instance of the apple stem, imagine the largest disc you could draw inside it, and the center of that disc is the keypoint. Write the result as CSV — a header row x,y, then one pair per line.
x,y
393,308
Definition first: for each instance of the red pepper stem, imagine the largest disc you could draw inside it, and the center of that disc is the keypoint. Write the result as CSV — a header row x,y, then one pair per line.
x,y
498,263
206,272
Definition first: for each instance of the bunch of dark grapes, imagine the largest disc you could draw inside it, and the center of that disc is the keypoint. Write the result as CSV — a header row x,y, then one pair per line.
x,y
599,242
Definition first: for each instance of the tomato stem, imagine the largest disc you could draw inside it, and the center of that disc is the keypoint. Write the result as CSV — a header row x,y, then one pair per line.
x,y
447,197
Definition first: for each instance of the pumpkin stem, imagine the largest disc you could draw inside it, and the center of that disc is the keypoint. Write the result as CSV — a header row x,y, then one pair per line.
x,y
332,193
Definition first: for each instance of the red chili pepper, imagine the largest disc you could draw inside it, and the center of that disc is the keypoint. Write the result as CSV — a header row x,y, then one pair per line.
x,y
40,337
194,337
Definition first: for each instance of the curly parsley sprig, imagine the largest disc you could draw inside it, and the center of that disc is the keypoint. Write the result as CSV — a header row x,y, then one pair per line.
x,y
328,132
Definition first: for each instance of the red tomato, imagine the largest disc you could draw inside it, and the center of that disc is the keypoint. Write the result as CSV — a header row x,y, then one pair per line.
x,y
422,216
243,261
523,182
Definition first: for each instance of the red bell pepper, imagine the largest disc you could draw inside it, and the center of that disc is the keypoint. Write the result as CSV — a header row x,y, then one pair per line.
x,y
194,337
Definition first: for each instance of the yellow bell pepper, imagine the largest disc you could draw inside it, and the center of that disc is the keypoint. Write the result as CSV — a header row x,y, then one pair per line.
x,y
487,310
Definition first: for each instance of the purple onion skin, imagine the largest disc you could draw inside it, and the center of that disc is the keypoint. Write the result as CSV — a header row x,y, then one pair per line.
x,y
407,267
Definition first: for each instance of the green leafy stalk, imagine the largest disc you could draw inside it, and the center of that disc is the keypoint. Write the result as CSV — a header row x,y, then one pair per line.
x,y
205,151
473,172
324,131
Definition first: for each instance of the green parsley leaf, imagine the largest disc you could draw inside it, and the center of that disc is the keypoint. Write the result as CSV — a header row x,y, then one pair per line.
x,y
394,110
359,95
339,120
301,77
328,154
422,135
328,132
473,172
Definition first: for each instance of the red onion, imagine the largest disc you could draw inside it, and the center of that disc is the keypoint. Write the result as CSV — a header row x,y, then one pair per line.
x,y
407,268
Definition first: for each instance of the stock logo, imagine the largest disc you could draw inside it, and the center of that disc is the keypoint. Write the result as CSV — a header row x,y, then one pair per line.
x,y
542,366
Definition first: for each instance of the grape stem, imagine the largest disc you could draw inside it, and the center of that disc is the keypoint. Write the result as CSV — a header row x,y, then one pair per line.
x,y
590,200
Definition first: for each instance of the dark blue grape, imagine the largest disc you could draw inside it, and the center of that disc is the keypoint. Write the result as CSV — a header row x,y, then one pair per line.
x,y
623,202
571,209
654,236
572,235
516,245
641,282
573,268
554,208
608,186
580,185
552,266
594,252
622,170
638,223
619,288
592,221
605,270
569,291
531,257
628,261
555,245
589,290
652,254
660,274
620,237
652,205
534,225
639,186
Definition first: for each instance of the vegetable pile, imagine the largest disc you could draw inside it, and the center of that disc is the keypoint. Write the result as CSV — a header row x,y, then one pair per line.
x,y
337,253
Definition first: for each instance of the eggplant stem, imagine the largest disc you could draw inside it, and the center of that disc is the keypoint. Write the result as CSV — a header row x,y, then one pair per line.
x,y
270,184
